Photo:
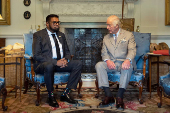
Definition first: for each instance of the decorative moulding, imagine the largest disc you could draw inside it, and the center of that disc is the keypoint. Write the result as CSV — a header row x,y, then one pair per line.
x,y
87,8
93,0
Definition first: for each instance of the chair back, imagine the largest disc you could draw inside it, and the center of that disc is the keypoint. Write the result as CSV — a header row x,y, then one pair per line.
x,y
28,39
142,47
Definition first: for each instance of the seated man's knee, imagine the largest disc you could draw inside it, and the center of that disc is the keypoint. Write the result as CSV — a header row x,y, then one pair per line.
x,y
99,65
78,63
48,66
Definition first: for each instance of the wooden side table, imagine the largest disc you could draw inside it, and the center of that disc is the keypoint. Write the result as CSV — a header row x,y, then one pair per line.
x,y
14,63
151,55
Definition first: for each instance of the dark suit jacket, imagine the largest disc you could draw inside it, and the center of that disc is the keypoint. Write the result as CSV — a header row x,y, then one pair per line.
x,y
42,49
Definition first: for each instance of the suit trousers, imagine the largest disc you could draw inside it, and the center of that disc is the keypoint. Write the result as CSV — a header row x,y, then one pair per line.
x,y
102,69
48,69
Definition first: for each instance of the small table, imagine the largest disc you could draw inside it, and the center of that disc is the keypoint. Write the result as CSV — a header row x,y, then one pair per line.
x,y
16,63
151,55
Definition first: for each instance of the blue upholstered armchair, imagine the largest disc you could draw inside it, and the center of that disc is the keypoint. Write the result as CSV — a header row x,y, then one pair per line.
x,y
3,92
164,85
141,70
38,79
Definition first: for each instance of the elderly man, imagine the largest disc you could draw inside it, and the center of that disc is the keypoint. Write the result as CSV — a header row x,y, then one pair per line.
x,y
118,52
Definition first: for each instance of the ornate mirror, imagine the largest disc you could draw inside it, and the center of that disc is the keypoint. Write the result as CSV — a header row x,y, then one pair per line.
x,y
5,18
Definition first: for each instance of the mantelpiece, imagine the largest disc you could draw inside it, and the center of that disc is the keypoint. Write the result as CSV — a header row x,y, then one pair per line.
x,y
87,10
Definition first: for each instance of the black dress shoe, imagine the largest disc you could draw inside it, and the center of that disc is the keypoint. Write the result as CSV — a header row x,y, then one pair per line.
x,y
52,102
119,103
107,100
68,99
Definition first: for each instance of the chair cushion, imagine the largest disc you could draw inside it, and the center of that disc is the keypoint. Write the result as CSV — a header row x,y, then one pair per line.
x,y
165,83
2,83
135,77
59,77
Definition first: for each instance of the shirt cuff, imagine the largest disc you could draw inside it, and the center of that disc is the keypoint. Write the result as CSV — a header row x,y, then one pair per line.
x,y
129,60
67,60
106,60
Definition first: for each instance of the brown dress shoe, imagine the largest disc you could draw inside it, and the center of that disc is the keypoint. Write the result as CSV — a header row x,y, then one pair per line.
x,y
107,100
119,103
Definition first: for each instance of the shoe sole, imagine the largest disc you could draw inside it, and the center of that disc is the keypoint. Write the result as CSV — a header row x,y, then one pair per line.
x,y
68,102
54,105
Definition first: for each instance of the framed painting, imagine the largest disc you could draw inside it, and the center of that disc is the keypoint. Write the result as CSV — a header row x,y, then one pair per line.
x,y
167,12
5,12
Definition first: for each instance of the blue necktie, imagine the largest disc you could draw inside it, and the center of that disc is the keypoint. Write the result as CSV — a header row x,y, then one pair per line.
x,y
115,37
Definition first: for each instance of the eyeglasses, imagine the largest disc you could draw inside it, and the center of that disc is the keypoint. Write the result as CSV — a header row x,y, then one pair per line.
x,y
54,22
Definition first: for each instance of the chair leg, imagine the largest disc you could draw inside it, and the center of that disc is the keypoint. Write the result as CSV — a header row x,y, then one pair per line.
x,y
26,86
117,86
160,96
80,86
140,94
97,87
38,95
56,87
4,94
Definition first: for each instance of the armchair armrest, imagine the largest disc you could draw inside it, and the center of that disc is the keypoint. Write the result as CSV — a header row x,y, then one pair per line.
x,y
72,57
144,65
26,56
32,69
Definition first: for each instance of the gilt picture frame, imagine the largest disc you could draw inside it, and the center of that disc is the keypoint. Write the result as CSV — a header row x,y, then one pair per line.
x,y
167,12
5,12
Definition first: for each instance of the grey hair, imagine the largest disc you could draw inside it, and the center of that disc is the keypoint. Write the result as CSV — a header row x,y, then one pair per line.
x,y
115,20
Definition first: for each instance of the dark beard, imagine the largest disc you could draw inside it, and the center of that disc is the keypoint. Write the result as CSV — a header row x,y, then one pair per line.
x,y
54,30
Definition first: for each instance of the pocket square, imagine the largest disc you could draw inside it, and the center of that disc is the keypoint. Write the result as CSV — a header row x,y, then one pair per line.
x,y
59,36
123,40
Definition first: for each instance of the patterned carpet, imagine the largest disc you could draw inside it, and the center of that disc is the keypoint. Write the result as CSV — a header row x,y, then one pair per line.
x,y
87,104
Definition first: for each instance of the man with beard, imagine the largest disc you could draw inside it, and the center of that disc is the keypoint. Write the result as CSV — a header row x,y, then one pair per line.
x,y
51,54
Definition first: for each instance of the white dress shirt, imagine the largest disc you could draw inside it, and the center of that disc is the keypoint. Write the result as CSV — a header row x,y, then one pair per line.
x,y
53,45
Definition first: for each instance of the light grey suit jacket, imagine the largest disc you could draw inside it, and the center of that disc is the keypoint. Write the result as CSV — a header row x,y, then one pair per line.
x,y
124,48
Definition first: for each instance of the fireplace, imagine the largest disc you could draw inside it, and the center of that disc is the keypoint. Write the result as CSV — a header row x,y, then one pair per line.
x,y
85,44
